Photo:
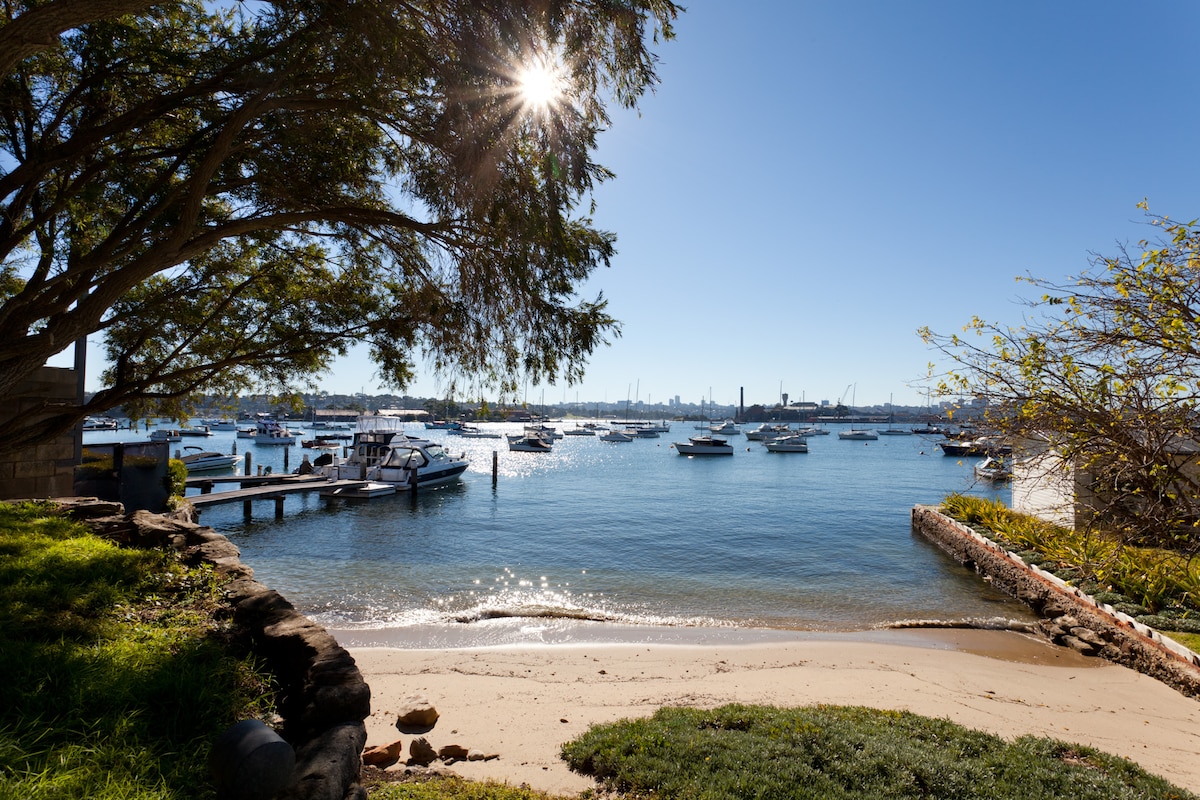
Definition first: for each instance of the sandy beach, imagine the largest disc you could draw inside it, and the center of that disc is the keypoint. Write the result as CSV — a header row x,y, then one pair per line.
x,y
522,702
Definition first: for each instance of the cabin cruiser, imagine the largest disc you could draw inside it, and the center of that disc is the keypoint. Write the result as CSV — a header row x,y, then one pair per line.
x,y
388,455
859,435
704,446
726,428
268,431
615,436
768,430
787,444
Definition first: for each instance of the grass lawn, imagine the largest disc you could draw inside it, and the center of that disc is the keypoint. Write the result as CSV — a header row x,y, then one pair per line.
x,y
117,674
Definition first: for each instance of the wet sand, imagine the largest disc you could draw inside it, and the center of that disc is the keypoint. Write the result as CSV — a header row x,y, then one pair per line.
x,y
521,702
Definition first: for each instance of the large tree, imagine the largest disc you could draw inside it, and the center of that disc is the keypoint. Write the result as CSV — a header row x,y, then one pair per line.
x,y
1105,371
232,196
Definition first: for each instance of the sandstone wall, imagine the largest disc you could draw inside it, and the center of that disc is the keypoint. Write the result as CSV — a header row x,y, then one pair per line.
x,y
1069,617
46,470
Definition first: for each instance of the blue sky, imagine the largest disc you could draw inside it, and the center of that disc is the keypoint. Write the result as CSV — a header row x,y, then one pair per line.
x,y
812,181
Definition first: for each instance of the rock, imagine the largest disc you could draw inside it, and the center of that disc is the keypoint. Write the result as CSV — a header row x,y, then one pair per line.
x,y
384,755
1088,635
1078,645
453,752
421,752
416,715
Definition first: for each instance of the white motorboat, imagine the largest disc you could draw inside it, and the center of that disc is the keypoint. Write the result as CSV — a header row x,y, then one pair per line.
x,y
812,430
615,436
222,424
858,434
529,443
994,469
432,464
381,452
268,431
726,428
166,435
201,430
704,446
199,460
768,430
472,432
788,444
100,424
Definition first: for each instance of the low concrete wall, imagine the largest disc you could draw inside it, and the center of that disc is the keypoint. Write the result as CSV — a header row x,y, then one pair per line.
x,y
323,698
47,469
1069,617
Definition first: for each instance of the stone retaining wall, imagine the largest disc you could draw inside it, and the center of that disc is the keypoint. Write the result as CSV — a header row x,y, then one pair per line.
x,y
1069,617
323,699
48,468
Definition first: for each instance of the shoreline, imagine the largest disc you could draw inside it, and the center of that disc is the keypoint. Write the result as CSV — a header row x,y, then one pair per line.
x,y
522,701
517,631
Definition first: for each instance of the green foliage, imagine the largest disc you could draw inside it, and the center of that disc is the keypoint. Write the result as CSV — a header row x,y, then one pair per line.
x,y
117,678
843,753
450,788
177,474
233,195
1103,372
1152,578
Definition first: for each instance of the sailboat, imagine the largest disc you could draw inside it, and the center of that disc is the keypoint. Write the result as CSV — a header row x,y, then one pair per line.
x,y
857,434
891,429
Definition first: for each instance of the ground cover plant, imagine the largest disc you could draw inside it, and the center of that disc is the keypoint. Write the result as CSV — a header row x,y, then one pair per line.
x,y
1159,588
453,788
118,674
843,753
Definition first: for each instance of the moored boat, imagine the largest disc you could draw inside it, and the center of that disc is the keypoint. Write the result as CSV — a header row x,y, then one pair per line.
x,y
268,431
788,444
200,460
529,442
615,436
994,469
704,446
859,435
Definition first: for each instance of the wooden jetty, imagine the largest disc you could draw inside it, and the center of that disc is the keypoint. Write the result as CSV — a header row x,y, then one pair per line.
x,y
273,487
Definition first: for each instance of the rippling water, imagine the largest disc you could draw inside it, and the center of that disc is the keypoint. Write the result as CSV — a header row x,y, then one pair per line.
x,y
629,538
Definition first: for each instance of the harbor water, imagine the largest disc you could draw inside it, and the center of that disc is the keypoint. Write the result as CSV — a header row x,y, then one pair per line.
x,y
623,542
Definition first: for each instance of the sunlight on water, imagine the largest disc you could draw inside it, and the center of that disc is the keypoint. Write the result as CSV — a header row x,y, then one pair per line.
x,y
627,535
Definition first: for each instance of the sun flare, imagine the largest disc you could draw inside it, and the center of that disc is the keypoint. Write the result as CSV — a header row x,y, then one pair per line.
x,y
540,84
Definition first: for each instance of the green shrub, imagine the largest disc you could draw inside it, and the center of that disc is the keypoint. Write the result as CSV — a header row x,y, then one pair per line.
x,y
1147,578
843,753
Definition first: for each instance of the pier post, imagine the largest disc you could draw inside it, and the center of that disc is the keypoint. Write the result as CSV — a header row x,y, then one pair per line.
x,y
412,482
248,470
286,450
279,507
495,467
246,509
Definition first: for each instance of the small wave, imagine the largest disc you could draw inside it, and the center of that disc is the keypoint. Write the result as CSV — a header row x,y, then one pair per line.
x,y
989,624
533,612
